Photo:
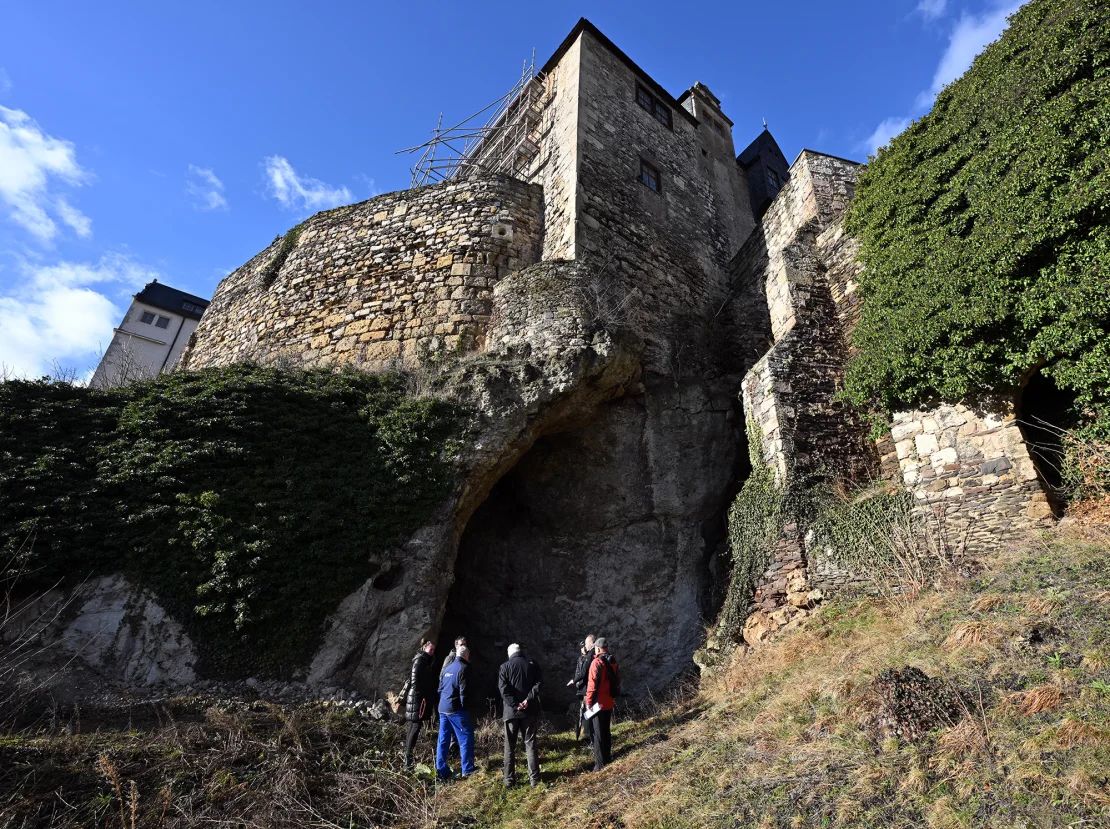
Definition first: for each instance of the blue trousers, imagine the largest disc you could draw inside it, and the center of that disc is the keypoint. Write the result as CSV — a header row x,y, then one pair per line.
x,y
461,726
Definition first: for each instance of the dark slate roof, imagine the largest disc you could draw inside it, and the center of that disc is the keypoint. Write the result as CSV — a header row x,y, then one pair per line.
x,y
171,299
764,142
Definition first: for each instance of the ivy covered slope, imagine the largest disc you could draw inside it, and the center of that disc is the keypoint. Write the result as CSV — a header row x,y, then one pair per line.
x,y
250,500
985,227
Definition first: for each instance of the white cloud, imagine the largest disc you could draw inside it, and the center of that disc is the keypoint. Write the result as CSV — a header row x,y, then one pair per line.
x,y
31,163
932,9
887,129
63,314
301,193
205,189
78,221
970,36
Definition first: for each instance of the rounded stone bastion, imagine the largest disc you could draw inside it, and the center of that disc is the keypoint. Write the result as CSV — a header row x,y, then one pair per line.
x,y
385,281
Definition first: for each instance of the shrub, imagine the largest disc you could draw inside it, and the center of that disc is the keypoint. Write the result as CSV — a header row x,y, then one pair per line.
x,y
250,500
755,522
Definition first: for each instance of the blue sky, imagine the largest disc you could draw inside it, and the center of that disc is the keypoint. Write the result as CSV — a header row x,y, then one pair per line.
x,y
175,140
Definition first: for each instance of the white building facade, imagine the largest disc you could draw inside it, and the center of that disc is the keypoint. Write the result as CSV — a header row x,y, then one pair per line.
x,y
151,337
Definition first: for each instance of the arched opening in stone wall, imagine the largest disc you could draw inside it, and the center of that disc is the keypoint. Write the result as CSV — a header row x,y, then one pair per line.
x,y
1045,413
612,528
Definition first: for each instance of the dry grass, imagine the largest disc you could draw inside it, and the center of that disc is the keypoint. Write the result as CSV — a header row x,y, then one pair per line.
x,y
773,737
1074,732
1035,700
970,635
986,603
770,739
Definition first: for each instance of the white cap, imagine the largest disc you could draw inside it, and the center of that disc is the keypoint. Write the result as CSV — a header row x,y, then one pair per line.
x,y
514,649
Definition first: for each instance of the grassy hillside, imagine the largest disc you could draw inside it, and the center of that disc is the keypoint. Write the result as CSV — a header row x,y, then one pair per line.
x,y
1012,729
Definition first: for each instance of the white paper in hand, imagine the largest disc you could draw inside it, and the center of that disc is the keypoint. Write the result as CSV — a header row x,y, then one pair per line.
x,y
593,709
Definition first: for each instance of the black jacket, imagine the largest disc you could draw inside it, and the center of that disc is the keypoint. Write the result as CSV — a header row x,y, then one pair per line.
x,y
421,696
582,672
519,679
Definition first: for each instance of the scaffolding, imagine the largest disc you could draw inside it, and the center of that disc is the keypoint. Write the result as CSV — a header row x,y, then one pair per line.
x,y
501,137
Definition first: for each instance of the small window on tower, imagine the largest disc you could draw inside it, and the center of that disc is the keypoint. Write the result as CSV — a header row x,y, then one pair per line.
x,y
163,322
773,179
147,317
649,176
659,110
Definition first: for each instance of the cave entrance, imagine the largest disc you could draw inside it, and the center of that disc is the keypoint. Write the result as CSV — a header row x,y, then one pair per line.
x,y
522,574
1045,414
612,528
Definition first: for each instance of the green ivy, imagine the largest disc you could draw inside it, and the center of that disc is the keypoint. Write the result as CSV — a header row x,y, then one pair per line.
x,y
288,243
985,227
250,500
755,522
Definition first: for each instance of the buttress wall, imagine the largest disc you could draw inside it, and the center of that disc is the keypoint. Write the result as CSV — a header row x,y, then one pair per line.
x,y
970,469
392,279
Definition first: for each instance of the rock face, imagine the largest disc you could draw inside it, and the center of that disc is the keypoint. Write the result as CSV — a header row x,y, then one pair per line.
x,y
603,529
111,626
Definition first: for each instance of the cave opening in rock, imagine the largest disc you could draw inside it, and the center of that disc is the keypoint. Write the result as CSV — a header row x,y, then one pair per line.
x,y
1045,414
613,529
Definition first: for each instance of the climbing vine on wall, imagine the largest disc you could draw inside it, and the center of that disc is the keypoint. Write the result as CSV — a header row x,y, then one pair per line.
x,y
250,500
755,522
985,226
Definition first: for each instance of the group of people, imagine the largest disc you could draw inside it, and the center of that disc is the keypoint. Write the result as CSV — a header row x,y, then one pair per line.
x,y
519,681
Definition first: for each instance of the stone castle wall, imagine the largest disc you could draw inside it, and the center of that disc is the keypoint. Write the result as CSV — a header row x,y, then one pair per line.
x,y
386,280
666,252
970,469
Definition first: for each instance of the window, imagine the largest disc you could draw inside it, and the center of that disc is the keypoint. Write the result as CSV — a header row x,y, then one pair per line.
x,y
191,308
773,179
147,317
649,176
163,322
659,110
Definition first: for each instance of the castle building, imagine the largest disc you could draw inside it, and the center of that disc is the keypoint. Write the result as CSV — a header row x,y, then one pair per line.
x,y
648,292
151,337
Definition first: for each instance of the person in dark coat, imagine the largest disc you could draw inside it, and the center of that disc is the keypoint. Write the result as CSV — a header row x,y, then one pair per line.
x,y
420,696
519,681
603,687
454,718
581,677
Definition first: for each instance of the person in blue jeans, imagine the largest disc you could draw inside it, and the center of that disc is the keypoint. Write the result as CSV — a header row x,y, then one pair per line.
x,y
454,719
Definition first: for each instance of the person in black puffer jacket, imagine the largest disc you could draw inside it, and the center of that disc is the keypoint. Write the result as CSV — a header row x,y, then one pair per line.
x,y
420,696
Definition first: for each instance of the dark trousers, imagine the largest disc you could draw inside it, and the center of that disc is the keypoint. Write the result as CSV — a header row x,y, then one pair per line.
x,y
412,733
600,723
528,727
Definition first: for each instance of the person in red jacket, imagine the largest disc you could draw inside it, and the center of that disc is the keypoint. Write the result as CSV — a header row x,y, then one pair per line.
x,y
603,687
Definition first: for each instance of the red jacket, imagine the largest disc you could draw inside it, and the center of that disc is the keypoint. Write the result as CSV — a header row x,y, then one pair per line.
x,y
599,689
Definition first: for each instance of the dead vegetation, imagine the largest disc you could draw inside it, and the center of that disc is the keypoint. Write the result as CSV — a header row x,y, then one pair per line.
x,y
1002,676
983,701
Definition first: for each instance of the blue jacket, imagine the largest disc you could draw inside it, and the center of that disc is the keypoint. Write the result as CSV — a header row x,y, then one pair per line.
x,y
452,687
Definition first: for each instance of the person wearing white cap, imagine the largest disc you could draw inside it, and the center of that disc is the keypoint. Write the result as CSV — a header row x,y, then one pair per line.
x,y
519,681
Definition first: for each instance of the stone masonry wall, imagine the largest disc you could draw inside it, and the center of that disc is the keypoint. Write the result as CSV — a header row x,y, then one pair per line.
x,y
790,392
971,469
666,252
386,280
